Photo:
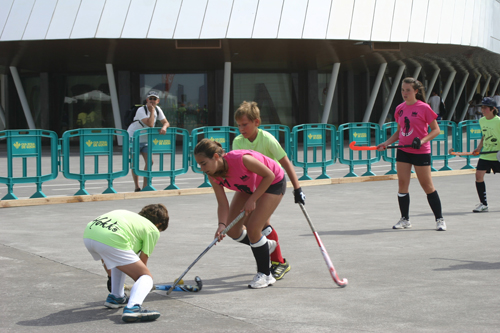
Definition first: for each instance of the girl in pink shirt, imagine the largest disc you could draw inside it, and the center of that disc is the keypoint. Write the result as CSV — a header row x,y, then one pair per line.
x,y
259,184
414,116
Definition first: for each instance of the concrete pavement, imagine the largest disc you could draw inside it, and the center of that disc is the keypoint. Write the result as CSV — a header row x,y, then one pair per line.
x,y
416,280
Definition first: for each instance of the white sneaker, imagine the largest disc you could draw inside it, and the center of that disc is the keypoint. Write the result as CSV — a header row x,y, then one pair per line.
x,y
402,224
272,245
440,225
262,281
480,208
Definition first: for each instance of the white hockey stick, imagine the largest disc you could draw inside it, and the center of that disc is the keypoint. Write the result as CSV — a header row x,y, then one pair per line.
x,y
333,273
236,220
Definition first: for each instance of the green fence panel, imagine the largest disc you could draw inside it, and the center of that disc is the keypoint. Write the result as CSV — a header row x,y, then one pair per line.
x,y
282,134
96,142
221,134
315,137
165,146
468,136
442,143
365,134
389,155
27,145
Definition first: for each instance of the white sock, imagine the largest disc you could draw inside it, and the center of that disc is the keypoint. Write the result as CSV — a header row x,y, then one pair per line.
x,y
140,290
117,281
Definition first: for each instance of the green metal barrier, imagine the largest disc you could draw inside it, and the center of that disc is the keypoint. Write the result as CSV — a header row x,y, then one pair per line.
x,y
26,144
365,134
473,135
322,137
282,134
441,144
165,146
94,142
389,155
221,134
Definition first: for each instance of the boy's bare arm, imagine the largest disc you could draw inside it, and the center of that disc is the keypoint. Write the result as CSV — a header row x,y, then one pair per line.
x,y
298,195
290,171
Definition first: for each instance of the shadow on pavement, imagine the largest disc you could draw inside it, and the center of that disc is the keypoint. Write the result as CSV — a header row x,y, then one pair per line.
x,y
470,265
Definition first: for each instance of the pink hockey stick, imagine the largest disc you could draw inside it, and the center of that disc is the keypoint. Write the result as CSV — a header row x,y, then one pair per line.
x,y
353,146
333,273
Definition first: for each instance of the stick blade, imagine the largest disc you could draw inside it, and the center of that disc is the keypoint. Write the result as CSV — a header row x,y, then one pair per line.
x,y
353,146
343,283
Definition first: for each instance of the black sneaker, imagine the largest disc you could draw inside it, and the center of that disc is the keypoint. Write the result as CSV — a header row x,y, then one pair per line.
x,y
278,270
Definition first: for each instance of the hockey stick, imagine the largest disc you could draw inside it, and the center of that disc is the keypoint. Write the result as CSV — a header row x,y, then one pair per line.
x,y
179,287
333,273
353,146
183,287
236,220
456,153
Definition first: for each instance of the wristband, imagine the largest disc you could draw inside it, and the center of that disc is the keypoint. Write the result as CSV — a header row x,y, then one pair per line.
x,y
223,224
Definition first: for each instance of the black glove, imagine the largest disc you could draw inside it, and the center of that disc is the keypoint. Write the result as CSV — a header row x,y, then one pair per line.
x,y
416,143
300,197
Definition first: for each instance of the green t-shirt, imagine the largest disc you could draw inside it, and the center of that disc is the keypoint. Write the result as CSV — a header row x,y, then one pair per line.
x,y
265,143
124,230
491,137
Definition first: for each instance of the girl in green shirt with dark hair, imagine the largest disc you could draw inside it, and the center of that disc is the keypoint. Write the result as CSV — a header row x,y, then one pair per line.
x,y
490,127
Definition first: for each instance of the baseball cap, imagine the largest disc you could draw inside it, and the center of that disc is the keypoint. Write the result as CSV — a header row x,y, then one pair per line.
x,y
488,101
153,93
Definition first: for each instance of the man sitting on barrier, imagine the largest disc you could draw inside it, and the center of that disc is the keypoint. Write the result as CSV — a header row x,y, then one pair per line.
x,y
146,117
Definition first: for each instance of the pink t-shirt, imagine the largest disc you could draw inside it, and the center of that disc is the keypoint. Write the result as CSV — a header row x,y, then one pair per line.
x,y
239,178
414,122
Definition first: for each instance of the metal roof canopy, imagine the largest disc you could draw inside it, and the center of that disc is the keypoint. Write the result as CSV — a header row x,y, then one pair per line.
x,y
146,55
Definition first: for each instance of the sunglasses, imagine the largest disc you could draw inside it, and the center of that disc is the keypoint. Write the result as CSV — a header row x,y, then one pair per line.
x,y
152,98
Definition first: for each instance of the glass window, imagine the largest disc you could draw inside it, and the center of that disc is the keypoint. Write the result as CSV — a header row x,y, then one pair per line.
x,y
183,97
87,103
31,86
271,91
323,83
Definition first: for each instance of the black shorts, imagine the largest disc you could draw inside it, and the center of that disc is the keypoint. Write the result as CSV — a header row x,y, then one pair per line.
x,y
487,166
277,188
414,159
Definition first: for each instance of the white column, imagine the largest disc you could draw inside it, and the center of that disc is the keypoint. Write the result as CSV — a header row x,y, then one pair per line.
x,y
417,71
114,100
471,95
448,85
462,86
331,91
227,93
495,87
432,83
373,96
3,123
22,98
483,92
395,85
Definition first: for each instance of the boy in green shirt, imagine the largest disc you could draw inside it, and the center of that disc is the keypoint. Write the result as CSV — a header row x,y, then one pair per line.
x,y
248,119
490,127
124,240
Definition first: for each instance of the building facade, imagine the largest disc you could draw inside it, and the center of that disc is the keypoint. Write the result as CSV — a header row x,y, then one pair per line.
x,y
82,63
